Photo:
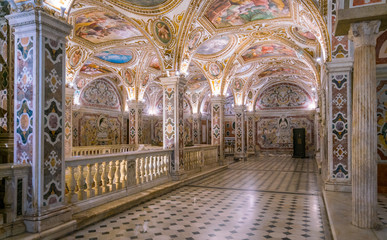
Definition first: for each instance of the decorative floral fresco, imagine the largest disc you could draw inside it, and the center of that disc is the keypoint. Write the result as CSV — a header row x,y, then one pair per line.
x,y
276,133
92,69
226,13
283,96
102,94
99,27
213,45
94,129
267,50
382,120
118,56
381,49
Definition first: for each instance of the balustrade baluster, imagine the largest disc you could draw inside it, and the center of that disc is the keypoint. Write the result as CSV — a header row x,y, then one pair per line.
x,y
132,174
81,183
89,182
146,170
138,170
111,185
117,175
124,169
97,180
142,169
104,178
71,186
158,166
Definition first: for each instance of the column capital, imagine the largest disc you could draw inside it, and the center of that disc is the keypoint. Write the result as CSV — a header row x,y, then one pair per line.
x,y
364,33
197,115
217,99
29,21
239,108
180,80
250,113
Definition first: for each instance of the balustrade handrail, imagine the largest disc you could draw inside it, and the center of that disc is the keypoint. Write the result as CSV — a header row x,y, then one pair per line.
x,y
82,160
101,149
10,169
201,147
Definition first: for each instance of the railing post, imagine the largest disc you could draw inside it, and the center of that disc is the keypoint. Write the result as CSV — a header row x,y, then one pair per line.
x,y
132,173
89,182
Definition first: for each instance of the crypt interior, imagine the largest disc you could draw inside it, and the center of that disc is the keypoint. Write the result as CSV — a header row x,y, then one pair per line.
x,y
193,119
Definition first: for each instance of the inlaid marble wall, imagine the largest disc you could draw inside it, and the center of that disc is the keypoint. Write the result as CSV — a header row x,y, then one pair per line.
x,y
96,129
340,90
382,120
275,133
6,83
340,44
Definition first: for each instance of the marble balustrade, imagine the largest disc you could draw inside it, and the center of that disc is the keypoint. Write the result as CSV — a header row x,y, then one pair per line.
x,y
101,149
88,177
197,157
15,191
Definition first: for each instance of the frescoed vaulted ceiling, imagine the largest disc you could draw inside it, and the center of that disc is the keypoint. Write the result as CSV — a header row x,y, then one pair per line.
x,y
240,46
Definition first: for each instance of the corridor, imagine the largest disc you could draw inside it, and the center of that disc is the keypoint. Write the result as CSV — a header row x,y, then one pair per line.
x,y
271,197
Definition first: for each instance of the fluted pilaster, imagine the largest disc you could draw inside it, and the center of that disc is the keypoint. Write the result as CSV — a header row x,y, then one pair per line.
x,y
364,134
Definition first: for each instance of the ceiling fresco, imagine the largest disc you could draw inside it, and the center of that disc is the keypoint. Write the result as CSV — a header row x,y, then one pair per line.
x,y
146,3
92,69
99,27
226,13
214,45
267,50
118,56
278,71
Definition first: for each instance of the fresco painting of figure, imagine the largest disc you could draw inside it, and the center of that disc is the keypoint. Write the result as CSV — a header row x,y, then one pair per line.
x,y
226,13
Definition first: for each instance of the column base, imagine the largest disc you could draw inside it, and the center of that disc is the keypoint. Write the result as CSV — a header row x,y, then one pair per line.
x,y
48,220
338,186
240,157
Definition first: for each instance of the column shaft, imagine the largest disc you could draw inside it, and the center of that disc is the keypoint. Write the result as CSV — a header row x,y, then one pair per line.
x,y
364,132
217,122
250,133
69,121
240,143
197,127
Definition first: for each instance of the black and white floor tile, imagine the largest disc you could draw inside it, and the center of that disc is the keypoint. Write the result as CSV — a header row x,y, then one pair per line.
x,y
267,198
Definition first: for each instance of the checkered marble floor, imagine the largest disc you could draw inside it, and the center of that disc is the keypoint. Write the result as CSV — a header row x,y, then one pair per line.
x,y
263,198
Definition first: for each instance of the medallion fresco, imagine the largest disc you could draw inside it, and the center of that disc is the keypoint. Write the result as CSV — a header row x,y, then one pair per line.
x,y
214,69
283,96
213,46
340,128
226,13
99,27
382,120
267,50
362,3
102,94
276,133
193,39
118,56
93,69
163,32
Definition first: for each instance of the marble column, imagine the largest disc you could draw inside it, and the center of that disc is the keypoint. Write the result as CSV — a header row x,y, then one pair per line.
x,y
250,132
69,101
135,130
173,122
217,122
40,59
364,132
240,142
140,124
197,127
